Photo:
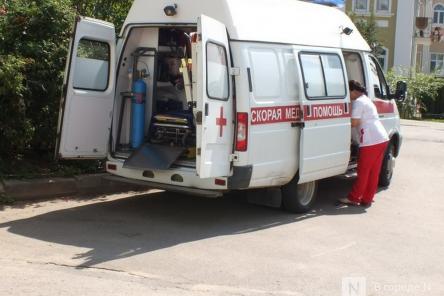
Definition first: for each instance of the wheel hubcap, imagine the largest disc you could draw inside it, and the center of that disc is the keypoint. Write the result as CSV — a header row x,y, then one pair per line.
x,y
306,192
390,163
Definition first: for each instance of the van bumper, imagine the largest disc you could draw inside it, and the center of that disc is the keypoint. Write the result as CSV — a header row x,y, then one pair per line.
x,y
169,187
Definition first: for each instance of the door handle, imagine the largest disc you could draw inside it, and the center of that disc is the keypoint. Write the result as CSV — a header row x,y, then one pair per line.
x,y
298,124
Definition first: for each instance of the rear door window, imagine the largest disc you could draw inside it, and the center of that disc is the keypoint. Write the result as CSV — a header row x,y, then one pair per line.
x,y
217,72
92,65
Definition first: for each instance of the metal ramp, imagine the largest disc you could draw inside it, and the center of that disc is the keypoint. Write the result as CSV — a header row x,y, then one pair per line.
x,y
153,157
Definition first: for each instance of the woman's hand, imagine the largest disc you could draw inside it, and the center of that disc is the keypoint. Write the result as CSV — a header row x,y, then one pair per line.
x,y
355,122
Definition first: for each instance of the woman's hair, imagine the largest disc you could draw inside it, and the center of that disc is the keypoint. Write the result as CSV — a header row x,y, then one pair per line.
x,y
355,85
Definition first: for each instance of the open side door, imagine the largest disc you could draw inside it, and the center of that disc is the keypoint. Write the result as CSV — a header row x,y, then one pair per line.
x,y
214,99
326,136
88,91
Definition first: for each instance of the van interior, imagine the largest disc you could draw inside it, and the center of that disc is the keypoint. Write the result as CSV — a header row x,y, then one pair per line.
x,y
355,71
161,57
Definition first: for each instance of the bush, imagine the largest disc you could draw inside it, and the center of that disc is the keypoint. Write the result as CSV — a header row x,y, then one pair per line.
x,y
34,39
421,88
15,128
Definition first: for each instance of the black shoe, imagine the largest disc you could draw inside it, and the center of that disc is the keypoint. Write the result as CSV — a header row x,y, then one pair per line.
x,y
366,204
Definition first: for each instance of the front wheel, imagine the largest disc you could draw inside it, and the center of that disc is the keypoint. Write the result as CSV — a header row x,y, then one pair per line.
x,y
388,165
298,198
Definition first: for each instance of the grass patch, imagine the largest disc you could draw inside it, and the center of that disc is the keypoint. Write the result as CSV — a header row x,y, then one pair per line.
x,y
6,200
34,165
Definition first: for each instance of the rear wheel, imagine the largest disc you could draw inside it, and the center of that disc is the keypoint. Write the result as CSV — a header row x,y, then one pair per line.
x,y
388,165
298,198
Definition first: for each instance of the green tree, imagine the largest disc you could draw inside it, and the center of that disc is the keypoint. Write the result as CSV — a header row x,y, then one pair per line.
x,y
34,38
368,29
421,87
33,44
113,11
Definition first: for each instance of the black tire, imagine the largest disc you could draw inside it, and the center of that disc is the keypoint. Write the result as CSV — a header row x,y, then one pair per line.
x,y
386,174
298,198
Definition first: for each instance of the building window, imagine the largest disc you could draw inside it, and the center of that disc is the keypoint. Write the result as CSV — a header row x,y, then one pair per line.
x,y
438,14
360,5
382,56
436,62
383,6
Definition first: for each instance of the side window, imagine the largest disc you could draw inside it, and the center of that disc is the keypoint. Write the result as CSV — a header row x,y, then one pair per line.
x,y
92,65
354,66
323,76
334,75
217,72
379,84
265,64
313,75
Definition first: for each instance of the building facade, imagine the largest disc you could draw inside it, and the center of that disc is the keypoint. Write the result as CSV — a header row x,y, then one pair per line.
x,y
430,37
395,21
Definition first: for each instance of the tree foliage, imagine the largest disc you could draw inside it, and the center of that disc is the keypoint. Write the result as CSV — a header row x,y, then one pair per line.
x,y
113,11
34,38
368,29
422,87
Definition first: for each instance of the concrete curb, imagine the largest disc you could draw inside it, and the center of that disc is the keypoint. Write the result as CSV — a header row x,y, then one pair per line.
x,y
56,187
421,123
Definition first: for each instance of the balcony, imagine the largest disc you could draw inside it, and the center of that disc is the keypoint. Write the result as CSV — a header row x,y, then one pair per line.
x,y
428,33
423,35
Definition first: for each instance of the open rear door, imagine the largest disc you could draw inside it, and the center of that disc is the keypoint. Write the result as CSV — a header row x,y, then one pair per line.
x,y
88,91
214,98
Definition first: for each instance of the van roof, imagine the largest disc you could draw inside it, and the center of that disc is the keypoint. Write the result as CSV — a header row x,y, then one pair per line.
x,y
276,21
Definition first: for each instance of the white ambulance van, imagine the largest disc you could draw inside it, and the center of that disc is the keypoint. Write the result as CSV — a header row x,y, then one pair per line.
x,y
239,94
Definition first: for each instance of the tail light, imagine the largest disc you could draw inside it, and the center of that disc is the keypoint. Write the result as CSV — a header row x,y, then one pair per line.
x,y
242,132
112,167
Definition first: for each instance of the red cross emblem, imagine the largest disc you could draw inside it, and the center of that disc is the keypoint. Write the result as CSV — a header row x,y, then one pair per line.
x,y
221,121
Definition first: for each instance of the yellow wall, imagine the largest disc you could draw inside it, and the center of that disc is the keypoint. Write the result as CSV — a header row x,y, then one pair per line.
x,y
385,35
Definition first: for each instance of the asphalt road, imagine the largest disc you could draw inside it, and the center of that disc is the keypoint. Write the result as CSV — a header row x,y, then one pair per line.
x,y
168,244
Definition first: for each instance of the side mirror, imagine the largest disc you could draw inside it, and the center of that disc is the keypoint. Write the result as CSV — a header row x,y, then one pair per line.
x,y
401,90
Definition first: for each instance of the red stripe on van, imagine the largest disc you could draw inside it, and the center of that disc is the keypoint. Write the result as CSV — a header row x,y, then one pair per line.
x,y
327,111
266,115
384,106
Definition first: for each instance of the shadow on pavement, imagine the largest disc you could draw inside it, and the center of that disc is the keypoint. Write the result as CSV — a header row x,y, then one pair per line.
x,y
144,223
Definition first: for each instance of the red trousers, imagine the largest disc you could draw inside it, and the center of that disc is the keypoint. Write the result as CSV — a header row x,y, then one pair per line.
x,y
369,167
